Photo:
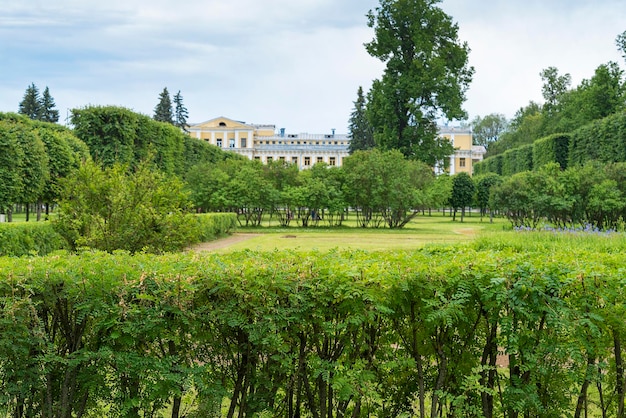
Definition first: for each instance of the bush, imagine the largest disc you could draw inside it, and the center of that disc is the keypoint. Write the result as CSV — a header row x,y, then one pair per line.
x,y
19,239
111,209
210,226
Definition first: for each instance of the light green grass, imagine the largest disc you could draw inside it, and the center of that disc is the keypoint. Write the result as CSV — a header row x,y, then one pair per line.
x,y
423,230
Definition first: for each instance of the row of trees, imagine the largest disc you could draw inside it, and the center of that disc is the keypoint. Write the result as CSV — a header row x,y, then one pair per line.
x,y
593,195
34,157
442,332
381,188
38,107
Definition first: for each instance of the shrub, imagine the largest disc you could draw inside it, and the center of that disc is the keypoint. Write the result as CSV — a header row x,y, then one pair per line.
x,y
40,238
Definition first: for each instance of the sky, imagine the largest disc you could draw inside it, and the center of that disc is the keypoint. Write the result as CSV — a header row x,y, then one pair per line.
x,y
296,64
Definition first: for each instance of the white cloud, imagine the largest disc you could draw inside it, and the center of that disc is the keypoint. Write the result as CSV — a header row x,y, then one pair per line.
x,y
295,64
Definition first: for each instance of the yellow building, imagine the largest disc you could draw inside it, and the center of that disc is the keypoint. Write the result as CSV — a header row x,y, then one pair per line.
x,y
263,143
465,154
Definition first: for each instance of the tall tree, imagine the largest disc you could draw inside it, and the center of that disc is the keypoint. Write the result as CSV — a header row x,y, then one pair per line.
x,y
488,129
48,111
180,113
426,77
463,190
554,87
163,110
620,41
31,103
360,127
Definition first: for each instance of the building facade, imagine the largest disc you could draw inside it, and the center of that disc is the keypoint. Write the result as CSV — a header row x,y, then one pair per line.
x,y
264,143
465,154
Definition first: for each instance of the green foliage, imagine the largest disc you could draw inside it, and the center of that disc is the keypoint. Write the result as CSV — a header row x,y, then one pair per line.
x,y
426,76
180,112
214,225
20,239
550,149
341,333
120,136
488,130
111,209
359,126
517,160
163,110
463,190
385,187
31,103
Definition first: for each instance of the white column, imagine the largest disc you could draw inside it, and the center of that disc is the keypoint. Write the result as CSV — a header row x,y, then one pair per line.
x,y
237,139
212,138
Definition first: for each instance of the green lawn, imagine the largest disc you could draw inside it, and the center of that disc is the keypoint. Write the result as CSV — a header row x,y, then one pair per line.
x,y
424,229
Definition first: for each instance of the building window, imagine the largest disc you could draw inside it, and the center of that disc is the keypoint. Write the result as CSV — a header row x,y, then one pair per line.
x,y
268,159
231,143
243,142
222,124
320,159
281,158
294,160
257,158
461,162
307,161
331,161
219,142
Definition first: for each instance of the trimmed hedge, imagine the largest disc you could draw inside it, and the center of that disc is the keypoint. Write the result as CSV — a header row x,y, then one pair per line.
x,y
40,238
213,225
550,149
29,238
348,333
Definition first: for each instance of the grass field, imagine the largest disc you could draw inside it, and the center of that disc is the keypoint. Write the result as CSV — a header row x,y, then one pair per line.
x,y
424,229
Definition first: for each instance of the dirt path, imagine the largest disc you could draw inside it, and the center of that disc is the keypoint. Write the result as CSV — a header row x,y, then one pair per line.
x,y
221,243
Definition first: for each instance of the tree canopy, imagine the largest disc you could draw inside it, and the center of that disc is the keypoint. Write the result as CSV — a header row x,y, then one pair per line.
x,y
163,109
426,77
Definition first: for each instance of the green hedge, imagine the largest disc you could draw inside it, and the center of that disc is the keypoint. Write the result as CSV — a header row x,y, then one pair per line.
x,y
40,238
517,160
213,225
550,149
348,333
602,140
29,238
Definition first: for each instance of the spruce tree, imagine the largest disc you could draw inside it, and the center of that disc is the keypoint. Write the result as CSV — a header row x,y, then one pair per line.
x,y
31,104
180,113
48,111
359,127
163,110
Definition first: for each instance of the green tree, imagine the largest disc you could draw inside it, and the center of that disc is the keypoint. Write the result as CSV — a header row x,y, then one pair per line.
x,y
34,168
463,190
163,110
487,130
11,160
48,111
554,87
31,103
111,209
484,184
426,77
180,112
360,128
620,41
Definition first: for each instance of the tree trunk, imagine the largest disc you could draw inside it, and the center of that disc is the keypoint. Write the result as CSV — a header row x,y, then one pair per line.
x,y
619,373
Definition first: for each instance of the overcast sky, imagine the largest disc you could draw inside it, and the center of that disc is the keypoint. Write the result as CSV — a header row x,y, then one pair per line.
x,y
296,64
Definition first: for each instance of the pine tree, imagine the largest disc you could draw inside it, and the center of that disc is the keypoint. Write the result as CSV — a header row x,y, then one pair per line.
x,y
31,104
360,128
163,110
180,113
48,112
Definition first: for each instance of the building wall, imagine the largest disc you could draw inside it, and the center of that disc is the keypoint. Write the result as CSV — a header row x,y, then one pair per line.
x,y
263,143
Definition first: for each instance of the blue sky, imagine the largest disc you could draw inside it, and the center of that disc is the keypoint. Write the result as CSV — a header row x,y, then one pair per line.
x,y
293,63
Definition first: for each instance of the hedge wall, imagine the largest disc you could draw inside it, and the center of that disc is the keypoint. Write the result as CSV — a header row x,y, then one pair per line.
x,y
552,148
466,332
603,140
